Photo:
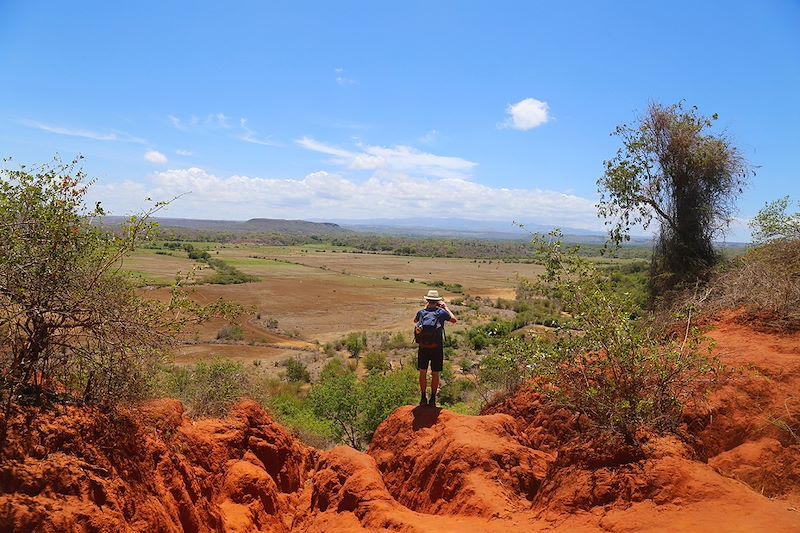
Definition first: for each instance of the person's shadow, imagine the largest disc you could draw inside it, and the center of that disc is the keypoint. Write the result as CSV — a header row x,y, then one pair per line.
x,y
424,416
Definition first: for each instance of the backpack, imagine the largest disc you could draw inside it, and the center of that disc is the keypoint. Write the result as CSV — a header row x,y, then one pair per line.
x,y
429,331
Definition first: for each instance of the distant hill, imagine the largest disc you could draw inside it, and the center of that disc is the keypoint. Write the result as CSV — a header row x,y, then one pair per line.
x,y
254,225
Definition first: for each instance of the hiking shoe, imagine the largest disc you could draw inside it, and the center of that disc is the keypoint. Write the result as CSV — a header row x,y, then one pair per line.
x,y
423,400
432,401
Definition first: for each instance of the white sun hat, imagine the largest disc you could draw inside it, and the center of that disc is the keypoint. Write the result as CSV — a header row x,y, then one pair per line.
x,y
433,295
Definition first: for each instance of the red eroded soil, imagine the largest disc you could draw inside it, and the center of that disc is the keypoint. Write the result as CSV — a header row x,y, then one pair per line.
x,y
735,466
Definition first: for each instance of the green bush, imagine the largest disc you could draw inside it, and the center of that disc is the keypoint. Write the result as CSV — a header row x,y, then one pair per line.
x,y
355,408
456,391
605,365
297,371
376,363
509,365
209,388
355,342
71,323
297,415
398,341
226,274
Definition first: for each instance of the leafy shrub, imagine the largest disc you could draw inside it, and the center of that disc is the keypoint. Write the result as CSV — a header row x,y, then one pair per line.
x,y
334,398
509,365
355,408
456,391
297,371
297,415
355,342
398,341
376,363
70,321
209,388
198,255
606,366
765,281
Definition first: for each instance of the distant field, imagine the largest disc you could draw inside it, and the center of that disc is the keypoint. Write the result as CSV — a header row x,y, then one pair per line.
x,y
319,293
162,269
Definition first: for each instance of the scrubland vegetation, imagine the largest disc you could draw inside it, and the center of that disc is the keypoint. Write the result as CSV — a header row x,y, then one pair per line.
x,y
584,334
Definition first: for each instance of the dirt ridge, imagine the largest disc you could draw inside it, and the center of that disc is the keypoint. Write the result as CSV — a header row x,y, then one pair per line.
x,y
516,468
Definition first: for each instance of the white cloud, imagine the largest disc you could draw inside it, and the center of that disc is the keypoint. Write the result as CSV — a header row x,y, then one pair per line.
x,y
86,134
527,114
249,136
325,195
184,153
154,156
343,80
396,159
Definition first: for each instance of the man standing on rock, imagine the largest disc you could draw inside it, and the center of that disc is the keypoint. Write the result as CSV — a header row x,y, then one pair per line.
x,y
429,334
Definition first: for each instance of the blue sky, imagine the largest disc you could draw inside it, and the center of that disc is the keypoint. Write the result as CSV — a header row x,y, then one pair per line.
x,y
352,110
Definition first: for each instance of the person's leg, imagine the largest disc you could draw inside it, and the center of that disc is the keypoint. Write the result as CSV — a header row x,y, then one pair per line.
x,y
434,383
437,362
422,365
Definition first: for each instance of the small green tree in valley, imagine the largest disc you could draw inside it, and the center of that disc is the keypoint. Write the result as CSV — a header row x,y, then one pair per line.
x,y
355,343
297,371
671,168
335,397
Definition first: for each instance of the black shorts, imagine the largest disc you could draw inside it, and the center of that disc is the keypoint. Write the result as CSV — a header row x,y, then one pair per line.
x,y
434,356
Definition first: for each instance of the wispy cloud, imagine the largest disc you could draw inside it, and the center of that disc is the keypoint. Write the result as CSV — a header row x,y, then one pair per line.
x,y
526,114
83,133
155,157
395,159
342,80
192,122
184,153
430,137
250,136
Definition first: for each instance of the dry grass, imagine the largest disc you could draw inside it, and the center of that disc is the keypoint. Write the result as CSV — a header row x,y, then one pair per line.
x,y
764,283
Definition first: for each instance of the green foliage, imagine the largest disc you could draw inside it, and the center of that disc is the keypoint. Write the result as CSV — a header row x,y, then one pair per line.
x,y
773,223
335,398
631,281
509,365
450,287
376,363
398,341
456,391
355,342
610,368
381,394
297,415
69,319
226,274
478,339
209,388
356,408
671,168
297,371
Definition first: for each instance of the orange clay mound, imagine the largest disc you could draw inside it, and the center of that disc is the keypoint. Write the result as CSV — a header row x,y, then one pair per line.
x,y
522,467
